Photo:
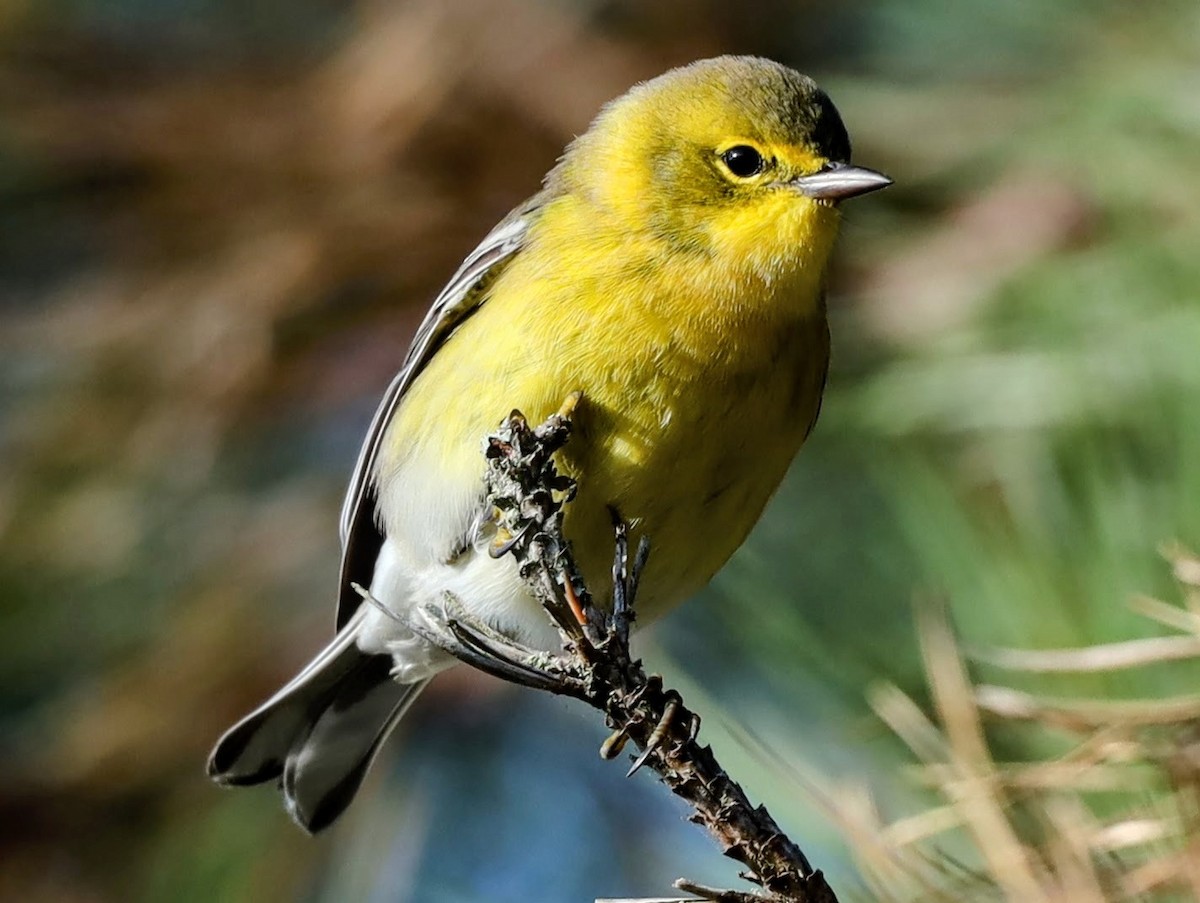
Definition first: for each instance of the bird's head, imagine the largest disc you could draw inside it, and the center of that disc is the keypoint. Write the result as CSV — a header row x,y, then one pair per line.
x,y
738,158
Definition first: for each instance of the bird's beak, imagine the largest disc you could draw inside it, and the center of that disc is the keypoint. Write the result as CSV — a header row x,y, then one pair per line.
x,y
840,181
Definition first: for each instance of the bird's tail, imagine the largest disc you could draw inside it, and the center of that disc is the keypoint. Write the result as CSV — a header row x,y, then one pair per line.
x,y
319,733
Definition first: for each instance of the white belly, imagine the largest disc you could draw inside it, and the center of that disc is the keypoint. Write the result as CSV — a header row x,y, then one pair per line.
x,y
491,590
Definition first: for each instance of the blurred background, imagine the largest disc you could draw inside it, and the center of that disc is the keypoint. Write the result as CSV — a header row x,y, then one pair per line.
x,y
220,223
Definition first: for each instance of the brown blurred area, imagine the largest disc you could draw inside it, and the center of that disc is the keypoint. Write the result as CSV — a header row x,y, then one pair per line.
x,y
255,243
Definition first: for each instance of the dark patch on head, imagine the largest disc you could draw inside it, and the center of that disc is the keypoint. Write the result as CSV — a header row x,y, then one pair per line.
x,y
828,134
807,116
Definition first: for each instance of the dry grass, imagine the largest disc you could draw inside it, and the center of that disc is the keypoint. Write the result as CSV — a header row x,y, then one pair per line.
x,y
1112,818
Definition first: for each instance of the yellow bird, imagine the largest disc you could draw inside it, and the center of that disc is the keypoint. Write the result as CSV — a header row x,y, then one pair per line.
x,y
672,269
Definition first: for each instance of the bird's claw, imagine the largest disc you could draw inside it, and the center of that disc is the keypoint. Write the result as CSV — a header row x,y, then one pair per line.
x,y
504,542
612,747
659,734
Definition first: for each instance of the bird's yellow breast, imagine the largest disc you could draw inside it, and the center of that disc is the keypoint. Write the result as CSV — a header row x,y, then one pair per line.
x,y
699,380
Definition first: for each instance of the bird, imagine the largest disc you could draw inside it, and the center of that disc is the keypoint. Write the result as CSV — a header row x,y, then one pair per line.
x,y
672,271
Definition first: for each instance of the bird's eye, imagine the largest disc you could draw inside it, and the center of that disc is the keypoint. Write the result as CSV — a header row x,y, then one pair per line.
x,y
743,161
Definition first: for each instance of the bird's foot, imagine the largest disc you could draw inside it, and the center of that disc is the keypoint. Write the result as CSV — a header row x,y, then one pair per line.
x,y
484,647
527,494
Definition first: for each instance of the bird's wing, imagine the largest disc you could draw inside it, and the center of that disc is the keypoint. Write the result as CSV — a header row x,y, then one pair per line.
x,y
361,534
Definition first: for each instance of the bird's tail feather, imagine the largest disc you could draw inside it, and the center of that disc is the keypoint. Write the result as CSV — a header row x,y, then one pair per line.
x,y
320,733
